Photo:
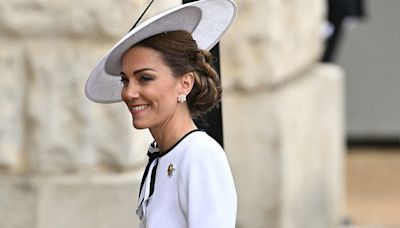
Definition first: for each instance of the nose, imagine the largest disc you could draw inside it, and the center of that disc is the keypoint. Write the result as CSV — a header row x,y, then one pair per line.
x,y
129,92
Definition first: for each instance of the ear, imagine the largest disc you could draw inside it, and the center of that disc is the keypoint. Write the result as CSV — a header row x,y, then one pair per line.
x,y
186,83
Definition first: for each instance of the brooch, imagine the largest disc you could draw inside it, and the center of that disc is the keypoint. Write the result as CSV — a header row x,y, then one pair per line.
x,y
170,169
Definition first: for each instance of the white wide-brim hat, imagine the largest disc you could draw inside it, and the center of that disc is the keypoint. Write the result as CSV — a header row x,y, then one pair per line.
x,y
206,20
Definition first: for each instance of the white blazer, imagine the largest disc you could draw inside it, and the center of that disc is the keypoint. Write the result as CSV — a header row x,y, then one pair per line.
x,y
193,187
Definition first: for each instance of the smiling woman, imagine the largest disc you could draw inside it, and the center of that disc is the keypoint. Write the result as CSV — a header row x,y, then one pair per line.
x,y
165,79
150,91
185,71
158,74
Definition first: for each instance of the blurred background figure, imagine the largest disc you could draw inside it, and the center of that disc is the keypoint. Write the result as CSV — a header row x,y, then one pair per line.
x,y
340,15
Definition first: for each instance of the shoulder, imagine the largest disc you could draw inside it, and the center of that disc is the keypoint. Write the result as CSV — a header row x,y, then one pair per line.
x,y
204,156
201,145
206,189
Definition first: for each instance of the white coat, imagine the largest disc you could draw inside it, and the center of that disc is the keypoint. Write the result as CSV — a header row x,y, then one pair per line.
x,y
193,187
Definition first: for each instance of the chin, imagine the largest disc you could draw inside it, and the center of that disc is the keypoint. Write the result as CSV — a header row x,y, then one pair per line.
x,y
138,125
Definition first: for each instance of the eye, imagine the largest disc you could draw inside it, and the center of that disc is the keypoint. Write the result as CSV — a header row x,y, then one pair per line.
x,y
124,80
145,78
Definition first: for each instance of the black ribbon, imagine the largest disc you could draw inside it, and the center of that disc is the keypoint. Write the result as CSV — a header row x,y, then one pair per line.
x,y
152,156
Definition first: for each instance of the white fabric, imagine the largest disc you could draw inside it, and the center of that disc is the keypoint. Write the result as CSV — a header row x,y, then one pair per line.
x,y
144,196
200,193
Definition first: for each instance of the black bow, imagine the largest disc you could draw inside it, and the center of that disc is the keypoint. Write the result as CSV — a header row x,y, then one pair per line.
x,y
153,154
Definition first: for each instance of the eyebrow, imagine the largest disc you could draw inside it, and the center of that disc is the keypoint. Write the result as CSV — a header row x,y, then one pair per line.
x,y
137,71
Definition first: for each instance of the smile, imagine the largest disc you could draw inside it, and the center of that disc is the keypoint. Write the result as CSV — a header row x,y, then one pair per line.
x,y
139,107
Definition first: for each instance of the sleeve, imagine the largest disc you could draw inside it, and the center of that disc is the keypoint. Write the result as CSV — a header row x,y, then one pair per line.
x,y
206,189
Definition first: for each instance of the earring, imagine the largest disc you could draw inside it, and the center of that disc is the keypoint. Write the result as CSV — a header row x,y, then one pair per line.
x,y
182,98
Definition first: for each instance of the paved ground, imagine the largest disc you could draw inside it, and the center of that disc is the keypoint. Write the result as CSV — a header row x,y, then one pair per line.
x,y
373,187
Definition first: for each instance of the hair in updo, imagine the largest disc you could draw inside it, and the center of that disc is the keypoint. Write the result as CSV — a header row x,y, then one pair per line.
x,y
181,53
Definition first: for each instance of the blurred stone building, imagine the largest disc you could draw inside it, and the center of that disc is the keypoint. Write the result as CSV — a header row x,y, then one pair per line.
x,y
67,162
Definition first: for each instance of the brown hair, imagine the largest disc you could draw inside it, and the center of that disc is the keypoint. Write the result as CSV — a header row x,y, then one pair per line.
x,y
181,53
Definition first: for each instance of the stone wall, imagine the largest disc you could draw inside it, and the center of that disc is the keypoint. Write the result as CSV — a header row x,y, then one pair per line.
x,y
67,162
286,153
283,117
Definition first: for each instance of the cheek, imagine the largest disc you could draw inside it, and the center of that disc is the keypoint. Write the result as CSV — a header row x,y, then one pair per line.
x,y
165,101
166,95
165,104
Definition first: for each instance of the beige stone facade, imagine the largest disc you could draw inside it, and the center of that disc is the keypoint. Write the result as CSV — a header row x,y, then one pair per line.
x,y
67,162
284,147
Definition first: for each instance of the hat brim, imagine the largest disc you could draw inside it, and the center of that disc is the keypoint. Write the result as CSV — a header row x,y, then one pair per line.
x,y
206,20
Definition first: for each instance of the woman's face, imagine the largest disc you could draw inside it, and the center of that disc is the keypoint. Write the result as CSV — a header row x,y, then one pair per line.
x,y
150,89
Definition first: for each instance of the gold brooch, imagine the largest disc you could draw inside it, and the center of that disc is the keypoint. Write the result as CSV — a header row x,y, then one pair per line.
x,y
170,169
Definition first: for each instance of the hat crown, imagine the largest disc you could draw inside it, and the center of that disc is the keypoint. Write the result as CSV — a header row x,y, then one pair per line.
x,y
151,27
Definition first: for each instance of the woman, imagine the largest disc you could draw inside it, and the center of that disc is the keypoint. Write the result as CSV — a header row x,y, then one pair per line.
x,y
166,81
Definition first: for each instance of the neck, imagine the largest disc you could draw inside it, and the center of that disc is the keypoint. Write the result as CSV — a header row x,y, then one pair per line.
x,y
167,134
